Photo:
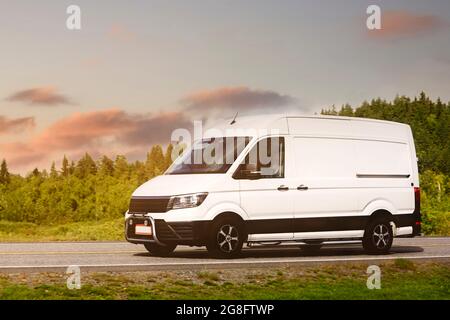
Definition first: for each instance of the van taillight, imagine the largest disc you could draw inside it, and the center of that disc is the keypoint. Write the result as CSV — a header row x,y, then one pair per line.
x,y
417,198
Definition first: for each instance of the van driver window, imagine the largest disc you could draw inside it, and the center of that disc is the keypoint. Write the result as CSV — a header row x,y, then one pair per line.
x,y
266,159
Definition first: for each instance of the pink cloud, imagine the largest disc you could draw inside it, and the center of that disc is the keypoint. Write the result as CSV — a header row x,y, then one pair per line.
x,y
236,99
407,24
121,33
16,125
98,132
40,95
81,129
20,154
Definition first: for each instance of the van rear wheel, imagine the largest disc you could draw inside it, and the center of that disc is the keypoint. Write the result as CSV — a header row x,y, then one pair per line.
x,y
158,250
378,236
226,238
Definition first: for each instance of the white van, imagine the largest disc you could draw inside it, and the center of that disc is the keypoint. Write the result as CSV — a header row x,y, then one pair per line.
x,y
328,179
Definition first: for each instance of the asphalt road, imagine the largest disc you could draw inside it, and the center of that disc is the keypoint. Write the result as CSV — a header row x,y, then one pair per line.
x,y
122,256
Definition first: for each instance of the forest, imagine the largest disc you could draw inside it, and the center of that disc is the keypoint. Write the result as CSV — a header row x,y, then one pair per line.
x,y
98,190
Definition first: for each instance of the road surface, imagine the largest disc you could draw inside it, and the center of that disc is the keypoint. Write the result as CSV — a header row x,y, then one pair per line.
x,y
122,256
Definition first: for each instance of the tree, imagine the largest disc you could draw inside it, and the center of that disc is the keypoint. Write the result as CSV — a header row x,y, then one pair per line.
x,y
330,112
72,167
346,111
53,172
35,173
121,167
168,157
106,167
65,169
85,166
155,161
4,173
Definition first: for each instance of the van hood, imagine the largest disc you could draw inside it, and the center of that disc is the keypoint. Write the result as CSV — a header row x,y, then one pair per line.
x,y
170,185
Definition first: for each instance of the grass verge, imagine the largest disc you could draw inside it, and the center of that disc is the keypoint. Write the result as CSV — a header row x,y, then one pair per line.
x,y
103,230
400,279
76,231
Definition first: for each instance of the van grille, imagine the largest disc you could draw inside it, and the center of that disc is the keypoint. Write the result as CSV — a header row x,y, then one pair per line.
x,y
145,205
174,230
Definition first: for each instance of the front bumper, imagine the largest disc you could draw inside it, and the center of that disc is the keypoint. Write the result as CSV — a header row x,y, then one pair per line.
x,y
187,233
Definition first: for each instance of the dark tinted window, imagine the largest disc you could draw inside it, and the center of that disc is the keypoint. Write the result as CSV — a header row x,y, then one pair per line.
x,y
266,159
213,155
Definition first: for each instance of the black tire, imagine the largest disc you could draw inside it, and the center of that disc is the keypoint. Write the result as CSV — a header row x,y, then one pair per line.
x,y
226,238
378,236
159,250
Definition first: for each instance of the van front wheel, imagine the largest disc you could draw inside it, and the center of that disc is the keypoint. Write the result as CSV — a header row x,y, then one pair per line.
x,y
226,238
378,236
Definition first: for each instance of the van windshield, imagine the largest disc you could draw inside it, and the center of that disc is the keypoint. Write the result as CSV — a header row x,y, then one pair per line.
x,y
211,155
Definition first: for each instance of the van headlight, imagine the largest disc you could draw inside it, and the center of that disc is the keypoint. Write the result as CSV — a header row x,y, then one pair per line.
x,y
186,201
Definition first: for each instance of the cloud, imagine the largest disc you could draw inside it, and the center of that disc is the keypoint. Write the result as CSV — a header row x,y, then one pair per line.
x,y
398,23
155,129
19,154
87,129
40,96
111,131
236,99
82,129
16,125
121,33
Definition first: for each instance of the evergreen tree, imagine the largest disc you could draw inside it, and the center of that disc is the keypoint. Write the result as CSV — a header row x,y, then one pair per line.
x,y
106,167
72,167
4,173
346,111
121,167
65,170
168,157
155,161
35,173
85,166
53,172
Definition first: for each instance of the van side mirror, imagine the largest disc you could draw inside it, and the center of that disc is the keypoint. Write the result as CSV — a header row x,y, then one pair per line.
x,y
248,171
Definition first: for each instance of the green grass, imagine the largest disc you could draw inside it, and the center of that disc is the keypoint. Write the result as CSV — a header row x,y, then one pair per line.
x,y
400,280
75,231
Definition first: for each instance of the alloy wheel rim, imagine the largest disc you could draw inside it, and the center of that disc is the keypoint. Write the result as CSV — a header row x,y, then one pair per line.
x,y
228,238
381,236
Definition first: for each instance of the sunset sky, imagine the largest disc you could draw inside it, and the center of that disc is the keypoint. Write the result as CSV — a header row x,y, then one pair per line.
x,y
138,69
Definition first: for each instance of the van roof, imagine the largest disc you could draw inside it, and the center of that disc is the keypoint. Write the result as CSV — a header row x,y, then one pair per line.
x,y
268,120
280,122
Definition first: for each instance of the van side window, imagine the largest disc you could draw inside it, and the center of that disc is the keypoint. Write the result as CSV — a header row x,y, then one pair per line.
x,y
265,160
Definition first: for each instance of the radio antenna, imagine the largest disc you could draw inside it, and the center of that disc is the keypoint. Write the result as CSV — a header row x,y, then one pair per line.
x,y
234,119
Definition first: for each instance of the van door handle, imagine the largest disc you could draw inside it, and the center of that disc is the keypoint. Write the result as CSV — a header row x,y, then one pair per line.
x,y
302,187
283,188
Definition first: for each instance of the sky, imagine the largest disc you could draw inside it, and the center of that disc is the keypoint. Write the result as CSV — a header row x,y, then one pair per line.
x,y
139,69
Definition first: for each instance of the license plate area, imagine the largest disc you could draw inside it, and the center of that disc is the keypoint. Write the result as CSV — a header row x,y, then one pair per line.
x,y
143,230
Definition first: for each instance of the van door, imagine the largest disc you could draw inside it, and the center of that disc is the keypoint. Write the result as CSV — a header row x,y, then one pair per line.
x,y
264,190
325,196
